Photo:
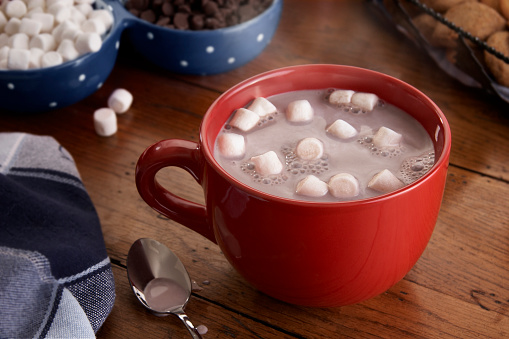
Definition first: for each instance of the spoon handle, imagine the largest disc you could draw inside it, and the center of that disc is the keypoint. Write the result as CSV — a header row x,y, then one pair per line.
x,y
189,325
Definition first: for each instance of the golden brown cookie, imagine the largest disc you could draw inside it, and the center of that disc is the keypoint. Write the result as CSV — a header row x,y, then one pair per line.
x,y
504,8
476,18
499,68
495,4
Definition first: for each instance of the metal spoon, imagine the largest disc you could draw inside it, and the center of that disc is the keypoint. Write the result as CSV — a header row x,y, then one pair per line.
x,y
159,280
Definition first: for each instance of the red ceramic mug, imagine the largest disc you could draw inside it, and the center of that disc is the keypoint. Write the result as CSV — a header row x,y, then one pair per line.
x,y
306,253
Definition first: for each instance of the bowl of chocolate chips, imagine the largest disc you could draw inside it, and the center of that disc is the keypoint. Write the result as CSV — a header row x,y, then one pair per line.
x,y
202,36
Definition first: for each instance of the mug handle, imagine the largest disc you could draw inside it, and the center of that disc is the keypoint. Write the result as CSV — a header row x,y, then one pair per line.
x,y
178,153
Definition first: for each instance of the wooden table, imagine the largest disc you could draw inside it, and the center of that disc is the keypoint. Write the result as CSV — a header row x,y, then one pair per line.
x,y
460,286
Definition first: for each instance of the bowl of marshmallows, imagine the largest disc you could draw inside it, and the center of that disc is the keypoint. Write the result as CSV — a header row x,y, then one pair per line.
x,y
54,53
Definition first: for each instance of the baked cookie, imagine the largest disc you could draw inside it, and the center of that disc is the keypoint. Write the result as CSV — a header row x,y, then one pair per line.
x,y
499,68
476,18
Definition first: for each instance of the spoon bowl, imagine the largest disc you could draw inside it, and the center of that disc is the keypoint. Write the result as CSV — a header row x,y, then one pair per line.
x,y
159,280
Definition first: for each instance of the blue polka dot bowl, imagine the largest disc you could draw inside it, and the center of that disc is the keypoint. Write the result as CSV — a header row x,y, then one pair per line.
x,y
189,52
208,51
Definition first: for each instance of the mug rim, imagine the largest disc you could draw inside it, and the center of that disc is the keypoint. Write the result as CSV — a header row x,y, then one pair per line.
x,y
208,151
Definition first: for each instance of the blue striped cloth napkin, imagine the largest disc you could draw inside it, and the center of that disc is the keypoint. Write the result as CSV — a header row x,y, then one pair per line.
x,y
55,275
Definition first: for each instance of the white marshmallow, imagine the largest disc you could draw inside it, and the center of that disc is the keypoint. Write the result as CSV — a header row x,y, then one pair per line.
x,y
47,21
105,122
385,181
262,107
65,28
18,59
44,41
299,111
4,52
34,11
12,26
84,8
103,15
311,186
93,26
51,58
65,3
67,50
365,101
120,100
309,149
267,163
35,57
62,14
15,9
244,119
88,42
77,16
231,145
386,137
344,185
341,97
31,4
342,129
4,39
19,41
3,20
30,27
86,2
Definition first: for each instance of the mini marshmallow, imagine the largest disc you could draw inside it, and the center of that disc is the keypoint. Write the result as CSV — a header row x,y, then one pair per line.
x,y
344,185
4,39
311,186
3,20
4,52
35,57
120,100
309,149
31,4
65,28
15,9
341,97
77,16
231,145
19,41
262,107
62,14
47,21
103,15
342,129
244,119
105,122
84,8
267,163
44,41
299,111
93,26
12,26
67,50
30,27
385,181
51,58
88,42
386,137
18,59
365,101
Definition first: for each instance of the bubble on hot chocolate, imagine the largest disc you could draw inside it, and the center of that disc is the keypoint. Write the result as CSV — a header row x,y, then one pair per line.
x,y
414,168
296,166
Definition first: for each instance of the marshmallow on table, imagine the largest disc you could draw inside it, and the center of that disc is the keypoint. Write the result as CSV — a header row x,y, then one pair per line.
x,y
385,181
262,107
299,111
244,119
343,185
231,145
386,137
18,59
365,101
342,129
309,149
311,186
267,163
341,96
105,122
120,100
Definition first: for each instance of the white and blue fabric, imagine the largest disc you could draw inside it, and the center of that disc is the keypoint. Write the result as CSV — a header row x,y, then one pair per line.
x,y
55,275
